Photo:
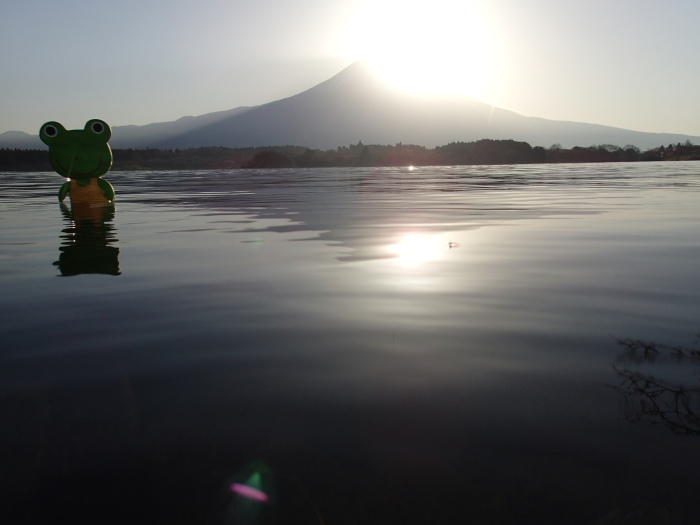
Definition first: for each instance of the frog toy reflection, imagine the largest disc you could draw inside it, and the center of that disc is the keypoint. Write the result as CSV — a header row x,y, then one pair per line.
x,y
88,241
82,156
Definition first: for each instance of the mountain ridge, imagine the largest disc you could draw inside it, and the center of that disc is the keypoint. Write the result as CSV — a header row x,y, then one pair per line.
x,y
355,105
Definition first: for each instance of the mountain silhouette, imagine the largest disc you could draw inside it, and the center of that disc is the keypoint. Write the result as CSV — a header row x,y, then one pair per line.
x,y
355,105
20,140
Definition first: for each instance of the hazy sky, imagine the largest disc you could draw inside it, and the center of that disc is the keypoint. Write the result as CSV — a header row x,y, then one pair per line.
x,y
631,64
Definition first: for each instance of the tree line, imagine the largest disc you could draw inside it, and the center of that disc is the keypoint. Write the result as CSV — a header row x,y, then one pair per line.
x,y
485,151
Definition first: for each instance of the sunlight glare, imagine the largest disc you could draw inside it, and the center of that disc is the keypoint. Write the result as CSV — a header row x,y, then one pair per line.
x,y
413,249
440,47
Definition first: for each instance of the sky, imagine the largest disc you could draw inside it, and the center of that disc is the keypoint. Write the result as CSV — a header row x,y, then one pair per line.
x,y
623,63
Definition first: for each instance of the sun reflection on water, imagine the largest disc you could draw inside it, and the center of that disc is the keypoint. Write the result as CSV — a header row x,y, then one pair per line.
x,y
415,249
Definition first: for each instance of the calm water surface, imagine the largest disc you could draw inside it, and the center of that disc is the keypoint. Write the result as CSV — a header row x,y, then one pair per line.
x,y
503,344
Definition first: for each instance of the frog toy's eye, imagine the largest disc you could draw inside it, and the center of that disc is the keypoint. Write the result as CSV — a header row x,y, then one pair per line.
x,y
99,128
50,131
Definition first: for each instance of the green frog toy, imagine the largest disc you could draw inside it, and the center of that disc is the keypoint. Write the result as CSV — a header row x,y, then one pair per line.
x,y
83,156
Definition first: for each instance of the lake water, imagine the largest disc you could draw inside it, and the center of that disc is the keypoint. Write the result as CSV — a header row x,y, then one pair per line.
x,y
501,344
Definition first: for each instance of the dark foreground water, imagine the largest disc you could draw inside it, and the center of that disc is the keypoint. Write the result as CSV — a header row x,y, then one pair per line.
x,y
496,344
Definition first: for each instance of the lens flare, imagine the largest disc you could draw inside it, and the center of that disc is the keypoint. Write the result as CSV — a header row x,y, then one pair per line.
x,y
249,492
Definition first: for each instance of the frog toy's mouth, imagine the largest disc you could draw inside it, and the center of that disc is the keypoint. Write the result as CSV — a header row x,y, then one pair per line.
x,y
74,175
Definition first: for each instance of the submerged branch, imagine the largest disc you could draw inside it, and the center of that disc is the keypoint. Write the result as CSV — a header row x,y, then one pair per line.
x,y
650,398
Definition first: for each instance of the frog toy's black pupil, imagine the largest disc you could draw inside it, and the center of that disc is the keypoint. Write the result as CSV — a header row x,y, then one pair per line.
x,y
97,127
50,131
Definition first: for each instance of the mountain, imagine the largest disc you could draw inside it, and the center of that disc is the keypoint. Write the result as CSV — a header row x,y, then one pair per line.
x,y
151,135
20,140
355,105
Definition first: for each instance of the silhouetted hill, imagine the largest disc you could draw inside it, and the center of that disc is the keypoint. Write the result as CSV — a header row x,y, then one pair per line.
x,y
484,151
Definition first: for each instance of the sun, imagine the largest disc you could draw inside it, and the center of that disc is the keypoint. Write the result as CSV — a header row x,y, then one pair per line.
x,y
439,47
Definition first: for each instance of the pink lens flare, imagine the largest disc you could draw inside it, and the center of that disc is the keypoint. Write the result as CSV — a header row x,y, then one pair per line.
x,y
249,492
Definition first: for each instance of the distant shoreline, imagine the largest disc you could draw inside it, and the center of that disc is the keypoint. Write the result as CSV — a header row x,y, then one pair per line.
x,y
480,152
